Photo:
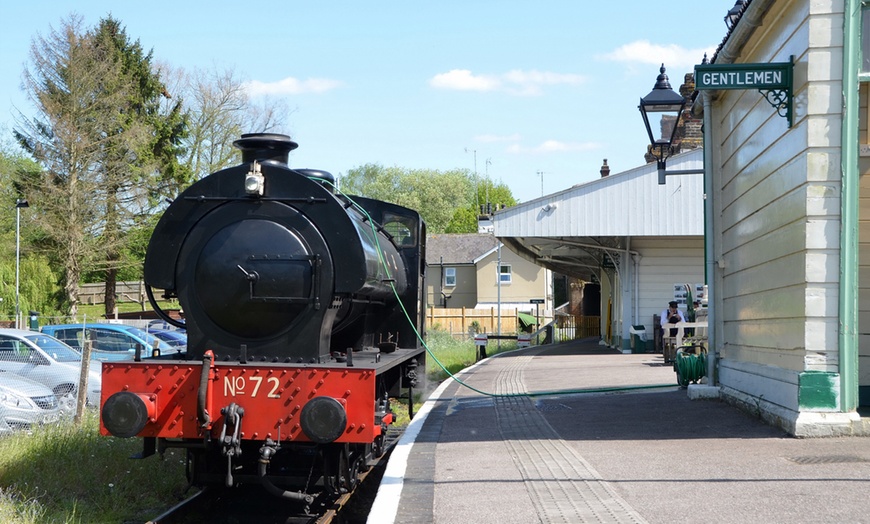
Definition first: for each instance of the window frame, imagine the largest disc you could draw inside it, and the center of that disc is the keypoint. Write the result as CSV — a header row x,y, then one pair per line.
x,y
502,274
864,24
448,276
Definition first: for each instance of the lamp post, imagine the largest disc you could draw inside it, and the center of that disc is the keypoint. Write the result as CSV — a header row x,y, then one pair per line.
x,y
664,101
21,202
733,14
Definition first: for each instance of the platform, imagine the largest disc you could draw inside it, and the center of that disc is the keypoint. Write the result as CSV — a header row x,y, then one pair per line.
x,y
640,454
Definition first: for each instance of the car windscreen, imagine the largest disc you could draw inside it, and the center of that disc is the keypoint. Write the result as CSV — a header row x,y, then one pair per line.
x,y
55,348
173,338
147,337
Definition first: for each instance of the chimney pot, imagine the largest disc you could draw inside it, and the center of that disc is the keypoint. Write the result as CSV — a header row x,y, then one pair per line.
x,y
605,169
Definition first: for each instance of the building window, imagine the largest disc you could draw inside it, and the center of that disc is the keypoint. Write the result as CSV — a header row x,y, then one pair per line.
x,y
449,276
865,40
504,274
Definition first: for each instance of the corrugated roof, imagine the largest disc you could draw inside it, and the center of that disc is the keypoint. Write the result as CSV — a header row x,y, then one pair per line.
x,y
578,230
631,203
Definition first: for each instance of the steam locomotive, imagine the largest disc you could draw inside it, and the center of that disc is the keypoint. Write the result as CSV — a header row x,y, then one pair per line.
x,y
302,308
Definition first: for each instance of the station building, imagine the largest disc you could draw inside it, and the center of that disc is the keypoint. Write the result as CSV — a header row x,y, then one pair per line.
x,y
784,204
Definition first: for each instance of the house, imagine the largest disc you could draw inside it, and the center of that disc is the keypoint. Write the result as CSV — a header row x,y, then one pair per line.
x,y
474,271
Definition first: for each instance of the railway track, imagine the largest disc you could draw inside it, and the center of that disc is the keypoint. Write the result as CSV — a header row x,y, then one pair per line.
x,y
253,504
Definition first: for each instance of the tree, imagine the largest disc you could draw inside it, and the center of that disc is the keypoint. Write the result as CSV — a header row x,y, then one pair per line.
x,y
436,195
101,141
219,110
148,144
464,220
39,290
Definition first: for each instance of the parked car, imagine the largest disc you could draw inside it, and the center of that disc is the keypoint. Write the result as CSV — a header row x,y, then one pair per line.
x,y
25,403
48,361
110,341
176,339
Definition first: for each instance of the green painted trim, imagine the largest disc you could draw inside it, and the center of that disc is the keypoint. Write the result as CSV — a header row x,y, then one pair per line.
x,y
850,191
817,390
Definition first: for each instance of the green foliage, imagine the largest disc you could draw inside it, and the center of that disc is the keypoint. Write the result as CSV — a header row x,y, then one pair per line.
x,y
464,220
445,200
38,288
436,195
105,144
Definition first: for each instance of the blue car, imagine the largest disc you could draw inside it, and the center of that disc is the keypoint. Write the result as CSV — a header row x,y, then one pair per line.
x,y
110,341
176,339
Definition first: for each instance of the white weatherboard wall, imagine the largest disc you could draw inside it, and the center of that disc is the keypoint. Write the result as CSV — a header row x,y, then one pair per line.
x,y
664,262
776,202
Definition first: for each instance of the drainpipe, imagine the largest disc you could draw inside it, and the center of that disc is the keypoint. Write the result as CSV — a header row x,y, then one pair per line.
x,y
441,285
626,293
848,339
636,260
709,253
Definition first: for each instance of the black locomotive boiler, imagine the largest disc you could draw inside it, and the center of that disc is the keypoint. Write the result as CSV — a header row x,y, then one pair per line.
x,y
302,308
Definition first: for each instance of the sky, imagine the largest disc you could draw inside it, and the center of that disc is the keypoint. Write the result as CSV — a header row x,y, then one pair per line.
x,y
530,94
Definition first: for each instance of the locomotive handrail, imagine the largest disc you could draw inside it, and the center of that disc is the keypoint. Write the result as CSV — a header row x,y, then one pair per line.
x,y
308,200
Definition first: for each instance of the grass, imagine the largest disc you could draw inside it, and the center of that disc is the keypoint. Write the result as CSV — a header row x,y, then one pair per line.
x,y
455,355
96,312
69,474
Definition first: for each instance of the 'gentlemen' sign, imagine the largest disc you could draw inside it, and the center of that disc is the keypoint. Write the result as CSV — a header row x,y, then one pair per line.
x,y
743,76
773,81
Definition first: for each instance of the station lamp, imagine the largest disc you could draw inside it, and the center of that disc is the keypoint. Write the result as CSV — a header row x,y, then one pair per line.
x,y
733,14
664,106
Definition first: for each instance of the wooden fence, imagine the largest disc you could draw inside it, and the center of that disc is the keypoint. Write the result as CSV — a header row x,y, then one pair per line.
x,y
574,327
132,291
464,322
461,322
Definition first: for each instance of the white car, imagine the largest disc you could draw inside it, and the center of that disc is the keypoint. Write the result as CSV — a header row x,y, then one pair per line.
x,y
45,359
25,403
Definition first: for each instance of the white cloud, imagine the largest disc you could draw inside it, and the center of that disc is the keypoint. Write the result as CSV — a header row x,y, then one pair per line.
x,y
464,80
644,52
554,146
290,86
516,82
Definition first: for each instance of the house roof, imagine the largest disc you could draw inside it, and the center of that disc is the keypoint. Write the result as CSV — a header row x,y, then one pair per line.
x,y
458,248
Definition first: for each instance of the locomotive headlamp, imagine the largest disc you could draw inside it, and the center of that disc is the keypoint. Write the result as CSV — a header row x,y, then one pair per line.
x,y
255,181
323,419
125,414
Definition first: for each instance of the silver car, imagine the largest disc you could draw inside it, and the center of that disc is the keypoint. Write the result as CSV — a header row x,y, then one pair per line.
x,y
45,359
25,403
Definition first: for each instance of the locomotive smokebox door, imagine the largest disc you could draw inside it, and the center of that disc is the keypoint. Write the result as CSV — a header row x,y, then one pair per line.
x,y
267,286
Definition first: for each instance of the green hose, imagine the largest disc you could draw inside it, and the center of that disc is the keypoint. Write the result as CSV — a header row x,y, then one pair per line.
x,y
431,354
690,367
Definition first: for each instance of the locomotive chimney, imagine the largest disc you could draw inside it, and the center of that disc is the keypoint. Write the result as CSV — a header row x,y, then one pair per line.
x,y
265,147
